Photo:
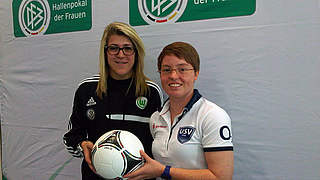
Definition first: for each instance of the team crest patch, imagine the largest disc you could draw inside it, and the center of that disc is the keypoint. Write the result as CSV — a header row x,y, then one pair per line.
x,y
91,114
141,102
185,133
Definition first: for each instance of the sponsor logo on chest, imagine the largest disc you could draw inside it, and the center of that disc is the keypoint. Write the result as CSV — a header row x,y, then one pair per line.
x,y
155,126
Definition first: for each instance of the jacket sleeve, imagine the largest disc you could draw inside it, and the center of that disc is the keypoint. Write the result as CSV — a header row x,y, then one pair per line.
x,y
157,97
76,129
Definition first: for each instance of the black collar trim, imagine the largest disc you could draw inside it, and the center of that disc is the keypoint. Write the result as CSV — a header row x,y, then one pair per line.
x,y
195,97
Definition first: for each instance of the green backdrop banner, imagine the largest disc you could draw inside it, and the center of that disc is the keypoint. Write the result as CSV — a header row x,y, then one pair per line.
x,y
143,12
35,17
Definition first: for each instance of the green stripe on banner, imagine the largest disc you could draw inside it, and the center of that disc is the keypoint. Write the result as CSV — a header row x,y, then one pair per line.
x,y
4,178
55,174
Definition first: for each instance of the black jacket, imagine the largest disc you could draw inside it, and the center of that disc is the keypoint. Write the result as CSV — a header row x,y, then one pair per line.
x,y
120,109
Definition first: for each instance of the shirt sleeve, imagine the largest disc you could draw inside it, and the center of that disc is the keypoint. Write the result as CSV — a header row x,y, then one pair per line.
x,y
76,131
217,134
157,94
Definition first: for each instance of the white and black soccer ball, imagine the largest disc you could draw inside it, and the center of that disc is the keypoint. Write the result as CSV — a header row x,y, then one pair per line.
x,y
116,153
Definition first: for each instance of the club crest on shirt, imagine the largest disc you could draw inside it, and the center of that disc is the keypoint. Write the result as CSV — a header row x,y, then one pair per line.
x,y
91,114
141,102
185,133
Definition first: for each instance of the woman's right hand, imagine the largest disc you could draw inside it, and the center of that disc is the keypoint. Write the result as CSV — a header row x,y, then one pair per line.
x,y
87,147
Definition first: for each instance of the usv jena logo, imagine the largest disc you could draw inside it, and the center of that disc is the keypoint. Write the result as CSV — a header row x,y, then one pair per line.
x,y
34,17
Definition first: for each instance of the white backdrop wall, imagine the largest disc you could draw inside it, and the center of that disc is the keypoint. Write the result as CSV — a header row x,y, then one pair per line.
x,y
263,69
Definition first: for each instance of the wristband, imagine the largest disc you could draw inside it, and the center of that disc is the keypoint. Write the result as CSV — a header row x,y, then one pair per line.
x,y
166,173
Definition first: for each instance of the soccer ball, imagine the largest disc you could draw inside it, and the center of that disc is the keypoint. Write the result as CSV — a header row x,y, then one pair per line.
x,y
116,153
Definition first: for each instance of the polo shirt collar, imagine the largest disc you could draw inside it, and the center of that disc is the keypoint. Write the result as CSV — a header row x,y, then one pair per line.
x,y
195,97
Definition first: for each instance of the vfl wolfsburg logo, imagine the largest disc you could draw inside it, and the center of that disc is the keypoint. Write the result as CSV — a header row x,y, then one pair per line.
x,y
161,11
34,17
141,102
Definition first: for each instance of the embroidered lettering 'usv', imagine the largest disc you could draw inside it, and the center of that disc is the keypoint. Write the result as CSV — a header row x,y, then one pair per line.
x,y
185,133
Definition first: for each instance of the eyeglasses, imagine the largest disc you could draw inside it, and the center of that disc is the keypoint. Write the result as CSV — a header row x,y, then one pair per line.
x,y
179,70
114,50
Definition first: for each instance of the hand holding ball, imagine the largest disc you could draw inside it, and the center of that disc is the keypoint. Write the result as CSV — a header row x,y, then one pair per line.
x,y
116,153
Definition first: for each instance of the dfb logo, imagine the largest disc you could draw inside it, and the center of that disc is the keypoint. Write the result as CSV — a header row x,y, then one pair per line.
x,y
34,17
161,11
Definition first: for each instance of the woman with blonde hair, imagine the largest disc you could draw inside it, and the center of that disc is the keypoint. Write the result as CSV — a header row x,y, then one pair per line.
x,y
121,97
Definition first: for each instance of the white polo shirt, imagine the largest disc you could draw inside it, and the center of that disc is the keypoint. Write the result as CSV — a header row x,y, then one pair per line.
x,y
201,127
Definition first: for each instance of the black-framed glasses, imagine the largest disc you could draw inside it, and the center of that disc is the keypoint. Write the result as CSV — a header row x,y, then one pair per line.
x,y
179,70
114,50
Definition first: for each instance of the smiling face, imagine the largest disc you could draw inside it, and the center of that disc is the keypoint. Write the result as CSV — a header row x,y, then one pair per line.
x,y
178,86
120,64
